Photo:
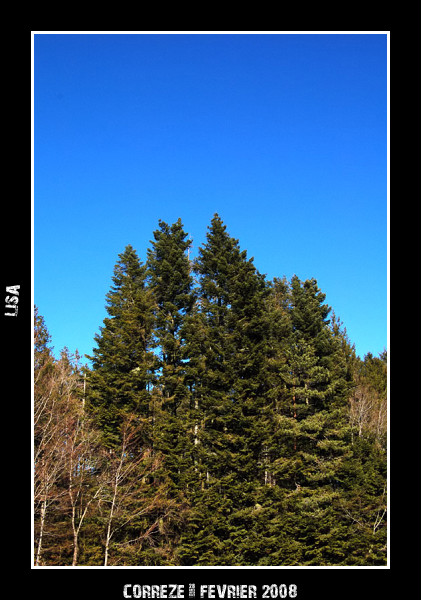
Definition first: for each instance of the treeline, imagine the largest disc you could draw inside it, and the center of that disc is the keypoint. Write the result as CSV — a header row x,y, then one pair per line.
x,y
225,420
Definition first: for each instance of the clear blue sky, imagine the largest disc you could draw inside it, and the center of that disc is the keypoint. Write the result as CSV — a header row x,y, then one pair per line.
x,y
284,135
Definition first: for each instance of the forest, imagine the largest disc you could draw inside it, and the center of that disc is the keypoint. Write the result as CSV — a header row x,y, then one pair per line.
x,y
224,420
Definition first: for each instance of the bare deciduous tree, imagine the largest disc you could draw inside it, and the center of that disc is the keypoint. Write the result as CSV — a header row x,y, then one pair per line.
x,y
368,411
135,506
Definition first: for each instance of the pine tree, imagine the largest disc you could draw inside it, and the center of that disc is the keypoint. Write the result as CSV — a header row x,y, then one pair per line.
x,y
171,281
238,427
226,345
322,384
304,427
123,363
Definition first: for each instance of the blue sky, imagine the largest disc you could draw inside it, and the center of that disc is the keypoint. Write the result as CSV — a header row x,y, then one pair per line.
x,y
283,135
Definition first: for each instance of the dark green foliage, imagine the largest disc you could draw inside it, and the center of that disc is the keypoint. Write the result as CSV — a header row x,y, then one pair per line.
x,y
171,283
227,348
123,363
254,434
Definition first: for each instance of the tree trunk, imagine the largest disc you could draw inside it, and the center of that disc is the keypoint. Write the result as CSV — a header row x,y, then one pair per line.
x,y
75,538
42,521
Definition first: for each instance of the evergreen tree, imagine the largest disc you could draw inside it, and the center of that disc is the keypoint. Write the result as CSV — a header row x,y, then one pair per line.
x,y
123,362
306,429
226,345
171,282
238,427
311,347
